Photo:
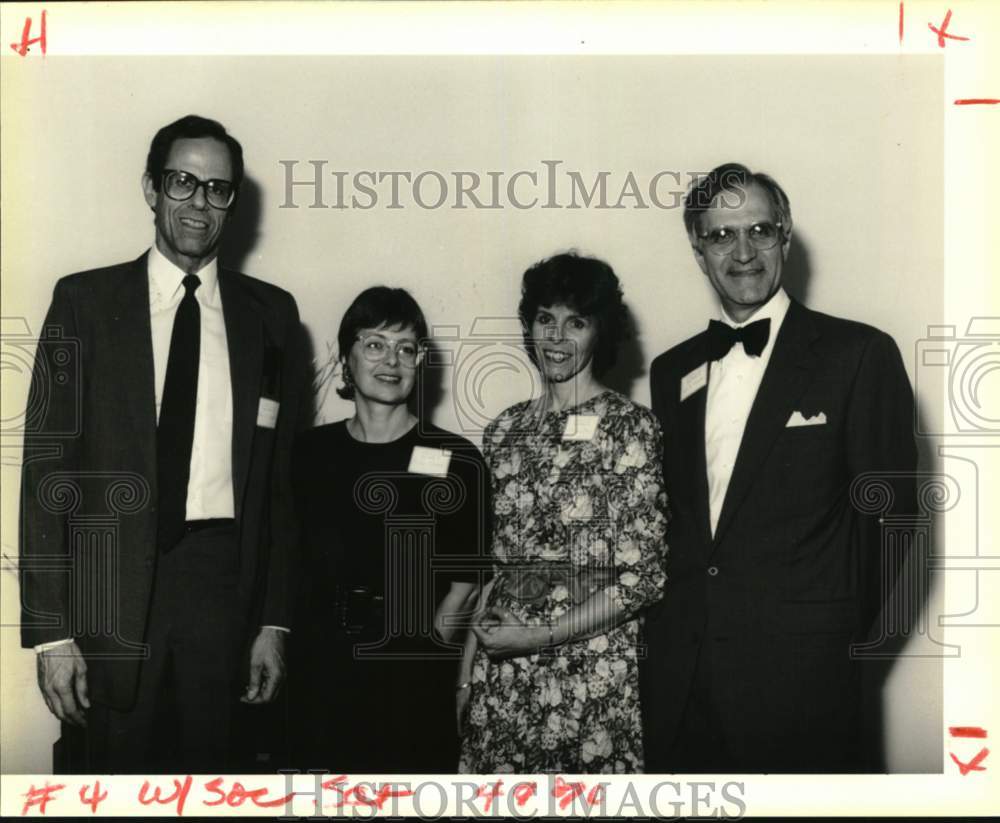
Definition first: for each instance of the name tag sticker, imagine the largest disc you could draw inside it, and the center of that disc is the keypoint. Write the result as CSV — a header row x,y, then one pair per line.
x,y
429,461
581,427
267,413
694,380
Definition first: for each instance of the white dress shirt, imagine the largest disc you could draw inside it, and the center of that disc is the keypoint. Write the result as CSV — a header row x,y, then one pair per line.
x,y
732,386
210,485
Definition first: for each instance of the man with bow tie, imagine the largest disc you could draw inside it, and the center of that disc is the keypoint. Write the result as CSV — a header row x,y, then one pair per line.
x,y
768,417
156,519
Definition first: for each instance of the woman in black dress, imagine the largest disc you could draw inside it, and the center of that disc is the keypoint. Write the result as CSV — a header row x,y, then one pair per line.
x,y
392,511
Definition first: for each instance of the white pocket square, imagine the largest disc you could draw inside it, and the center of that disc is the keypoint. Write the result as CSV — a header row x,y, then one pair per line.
x,y
798,420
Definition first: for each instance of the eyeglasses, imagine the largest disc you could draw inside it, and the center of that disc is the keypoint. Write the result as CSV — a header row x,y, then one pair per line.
x,y
376,348
181,185
762,236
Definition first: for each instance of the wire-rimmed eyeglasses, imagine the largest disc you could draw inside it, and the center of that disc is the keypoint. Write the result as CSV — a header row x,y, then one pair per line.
x,y
762,236
375,348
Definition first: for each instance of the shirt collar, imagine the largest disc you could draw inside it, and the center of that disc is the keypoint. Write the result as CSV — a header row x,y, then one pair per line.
x,y
165,280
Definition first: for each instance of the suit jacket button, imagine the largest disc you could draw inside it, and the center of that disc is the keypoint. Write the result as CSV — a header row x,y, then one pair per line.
x,y
713,570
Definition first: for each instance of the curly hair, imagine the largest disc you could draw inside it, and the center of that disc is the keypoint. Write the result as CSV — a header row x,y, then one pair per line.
x,y
587,285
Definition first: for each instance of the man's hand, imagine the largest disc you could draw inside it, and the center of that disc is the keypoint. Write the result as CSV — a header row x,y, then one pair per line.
x,y
267,666
62,677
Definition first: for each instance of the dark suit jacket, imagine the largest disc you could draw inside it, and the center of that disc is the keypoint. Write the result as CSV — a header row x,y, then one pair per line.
x,y
88,503
794,573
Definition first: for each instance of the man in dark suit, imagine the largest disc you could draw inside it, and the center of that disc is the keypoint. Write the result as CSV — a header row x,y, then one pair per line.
x,y
156,520
768,419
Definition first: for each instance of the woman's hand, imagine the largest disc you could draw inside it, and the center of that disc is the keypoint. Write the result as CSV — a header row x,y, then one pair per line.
x,y
503,635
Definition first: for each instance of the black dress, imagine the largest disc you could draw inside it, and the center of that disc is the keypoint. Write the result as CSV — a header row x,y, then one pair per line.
x,y
385,529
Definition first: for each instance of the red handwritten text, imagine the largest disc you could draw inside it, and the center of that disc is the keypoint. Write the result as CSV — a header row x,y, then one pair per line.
x,y
238,795
40,797
27,41
349,795
566,792
490,793
972,765
523,792
179,795
942,32
95,798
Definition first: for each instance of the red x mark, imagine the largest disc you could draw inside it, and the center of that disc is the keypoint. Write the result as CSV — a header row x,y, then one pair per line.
x,y
943,31
972,765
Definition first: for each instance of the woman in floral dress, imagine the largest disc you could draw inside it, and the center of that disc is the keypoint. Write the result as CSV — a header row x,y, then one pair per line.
x,y
550,679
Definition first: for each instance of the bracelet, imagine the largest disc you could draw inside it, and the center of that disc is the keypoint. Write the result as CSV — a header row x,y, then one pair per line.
x,y
466,685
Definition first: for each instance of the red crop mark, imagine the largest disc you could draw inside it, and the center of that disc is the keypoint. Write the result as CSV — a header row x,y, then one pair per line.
x,y
977,101
901,24
27,41
942,32
967,731
972,765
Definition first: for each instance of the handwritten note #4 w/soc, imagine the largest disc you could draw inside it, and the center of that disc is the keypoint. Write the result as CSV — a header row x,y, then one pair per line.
x,y
429,461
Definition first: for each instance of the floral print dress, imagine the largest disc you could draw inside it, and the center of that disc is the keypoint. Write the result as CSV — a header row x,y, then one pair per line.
x,y
572,515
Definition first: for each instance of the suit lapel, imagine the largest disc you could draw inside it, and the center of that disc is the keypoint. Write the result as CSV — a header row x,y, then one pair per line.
x,y
244,339
785,379
135,367
691,424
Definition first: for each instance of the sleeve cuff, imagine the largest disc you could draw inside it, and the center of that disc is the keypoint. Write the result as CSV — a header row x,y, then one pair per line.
x,y
44,647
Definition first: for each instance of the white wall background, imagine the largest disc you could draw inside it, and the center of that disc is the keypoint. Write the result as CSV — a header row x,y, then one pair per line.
x,y
857,142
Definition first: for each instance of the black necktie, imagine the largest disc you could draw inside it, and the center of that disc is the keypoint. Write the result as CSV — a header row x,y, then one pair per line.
x,y
175,430
721,338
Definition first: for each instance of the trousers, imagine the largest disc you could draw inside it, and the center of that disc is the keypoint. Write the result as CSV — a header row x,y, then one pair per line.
x,y
181,721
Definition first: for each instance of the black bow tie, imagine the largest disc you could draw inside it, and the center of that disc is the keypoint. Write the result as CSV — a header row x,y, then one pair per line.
x,y
721,338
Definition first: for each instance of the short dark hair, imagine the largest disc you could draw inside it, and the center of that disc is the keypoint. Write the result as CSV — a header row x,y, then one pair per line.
x,y
736,179
374,307
191,127
588,286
